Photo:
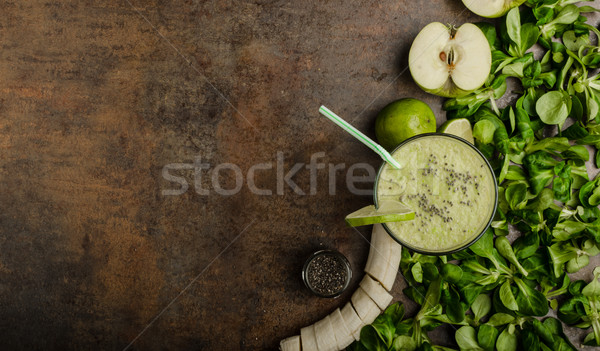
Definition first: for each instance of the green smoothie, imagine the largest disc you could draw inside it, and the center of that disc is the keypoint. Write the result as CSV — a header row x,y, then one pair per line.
x,y
448,184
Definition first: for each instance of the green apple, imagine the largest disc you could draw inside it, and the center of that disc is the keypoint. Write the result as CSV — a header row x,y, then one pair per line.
x,y
491,8
450,62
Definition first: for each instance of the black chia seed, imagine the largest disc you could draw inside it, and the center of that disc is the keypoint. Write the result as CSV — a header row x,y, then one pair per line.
x,y
326,274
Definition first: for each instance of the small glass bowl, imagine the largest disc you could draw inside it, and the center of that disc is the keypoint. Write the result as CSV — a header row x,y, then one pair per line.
x,y
344,267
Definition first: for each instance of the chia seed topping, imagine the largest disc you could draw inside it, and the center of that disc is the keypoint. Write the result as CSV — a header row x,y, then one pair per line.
x,y
326,274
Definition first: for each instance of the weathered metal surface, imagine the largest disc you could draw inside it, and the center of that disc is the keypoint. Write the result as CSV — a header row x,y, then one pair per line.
x,y
96,97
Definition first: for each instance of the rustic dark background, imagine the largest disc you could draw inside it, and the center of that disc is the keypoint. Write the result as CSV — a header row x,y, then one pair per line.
x,y
96,97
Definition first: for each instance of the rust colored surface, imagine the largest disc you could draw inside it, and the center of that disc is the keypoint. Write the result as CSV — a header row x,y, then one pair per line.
x,y
96,97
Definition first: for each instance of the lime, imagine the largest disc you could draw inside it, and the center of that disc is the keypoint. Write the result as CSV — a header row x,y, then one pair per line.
x,y
401,120
388,211
461,127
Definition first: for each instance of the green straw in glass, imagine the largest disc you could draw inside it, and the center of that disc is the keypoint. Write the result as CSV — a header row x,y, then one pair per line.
x,y
360,136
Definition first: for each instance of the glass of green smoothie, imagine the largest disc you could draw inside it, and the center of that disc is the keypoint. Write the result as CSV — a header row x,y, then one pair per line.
x,y
448,183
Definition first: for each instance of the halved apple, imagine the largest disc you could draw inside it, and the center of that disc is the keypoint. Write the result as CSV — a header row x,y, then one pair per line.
x,y
450,62
491,8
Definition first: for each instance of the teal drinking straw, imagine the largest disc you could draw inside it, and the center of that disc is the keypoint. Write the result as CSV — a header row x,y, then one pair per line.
x,y
360,136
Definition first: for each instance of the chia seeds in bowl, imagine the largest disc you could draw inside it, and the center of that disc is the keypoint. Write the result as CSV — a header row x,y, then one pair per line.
x,y
327,273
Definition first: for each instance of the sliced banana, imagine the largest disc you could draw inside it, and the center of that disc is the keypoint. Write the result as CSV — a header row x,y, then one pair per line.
x,y
379,254
290,344
365,307
376,292
325,335
384,257
308,338
343,335
351,318
356,334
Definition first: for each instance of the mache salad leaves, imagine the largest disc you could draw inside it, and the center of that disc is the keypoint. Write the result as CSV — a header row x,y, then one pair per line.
x,y
496,295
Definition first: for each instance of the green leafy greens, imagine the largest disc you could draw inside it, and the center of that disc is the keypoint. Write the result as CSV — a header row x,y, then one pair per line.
x,y
495,292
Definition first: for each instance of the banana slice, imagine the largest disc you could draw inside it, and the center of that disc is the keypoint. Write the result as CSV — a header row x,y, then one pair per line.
x,y
309,340
376,292
379,254
290,344
343,335
356,334
352,320
365,307
325,335
394,262
384,257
